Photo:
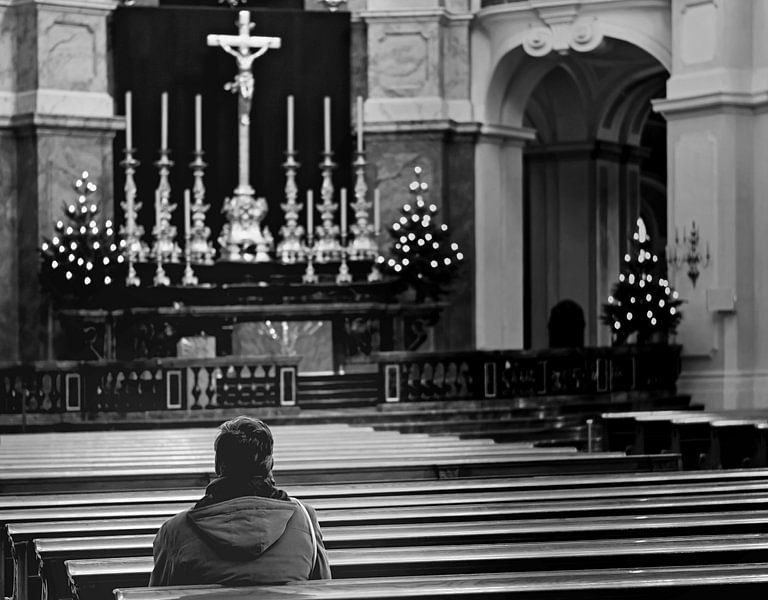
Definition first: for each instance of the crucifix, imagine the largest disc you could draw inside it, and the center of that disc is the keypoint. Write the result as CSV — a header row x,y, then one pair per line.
x,y
244,212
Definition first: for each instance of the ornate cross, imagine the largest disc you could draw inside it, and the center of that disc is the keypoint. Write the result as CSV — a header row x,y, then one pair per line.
x,y
243,211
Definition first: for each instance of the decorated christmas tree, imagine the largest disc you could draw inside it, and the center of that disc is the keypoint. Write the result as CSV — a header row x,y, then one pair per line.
x,y
422,255
642,301
82,256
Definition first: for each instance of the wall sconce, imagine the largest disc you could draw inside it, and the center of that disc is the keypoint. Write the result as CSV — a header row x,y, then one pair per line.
x,y
688,252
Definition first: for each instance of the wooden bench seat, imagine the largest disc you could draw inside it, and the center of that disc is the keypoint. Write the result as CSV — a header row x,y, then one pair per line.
x,y
48,480
52,552
746,582
96,578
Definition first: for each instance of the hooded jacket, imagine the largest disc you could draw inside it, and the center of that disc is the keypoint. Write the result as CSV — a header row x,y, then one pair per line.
x,y
240,533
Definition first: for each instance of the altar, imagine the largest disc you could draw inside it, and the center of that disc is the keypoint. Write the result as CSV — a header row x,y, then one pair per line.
x,y
298,273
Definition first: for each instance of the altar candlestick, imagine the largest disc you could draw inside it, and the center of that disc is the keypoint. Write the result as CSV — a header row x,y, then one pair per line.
x,y
128,120
290,123
343,212
310,216
187,216
360,124
198,123
327,123
376,203
157,210
164,120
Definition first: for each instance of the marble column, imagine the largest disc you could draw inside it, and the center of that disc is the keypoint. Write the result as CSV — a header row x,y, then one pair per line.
x,y
716,132
56,120
418,112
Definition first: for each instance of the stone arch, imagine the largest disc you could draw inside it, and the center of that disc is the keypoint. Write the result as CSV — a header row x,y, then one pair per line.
x,y
504,96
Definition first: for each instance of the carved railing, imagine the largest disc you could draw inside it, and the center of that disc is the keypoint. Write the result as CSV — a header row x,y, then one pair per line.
x,y
155,384
417,376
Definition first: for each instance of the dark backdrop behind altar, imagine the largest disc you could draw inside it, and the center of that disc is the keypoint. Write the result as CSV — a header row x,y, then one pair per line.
x,y
164,49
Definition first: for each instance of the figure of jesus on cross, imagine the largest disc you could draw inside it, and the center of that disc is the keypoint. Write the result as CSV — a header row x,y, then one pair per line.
x,y
241,233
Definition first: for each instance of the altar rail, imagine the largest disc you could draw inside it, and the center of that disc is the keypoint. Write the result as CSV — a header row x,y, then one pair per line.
x,y
155,384
416,376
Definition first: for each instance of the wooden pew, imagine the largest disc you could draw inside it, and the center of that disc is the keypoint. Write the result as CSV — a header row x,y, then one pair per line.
x,y
51,480
746,582
524,497
51,553
91,579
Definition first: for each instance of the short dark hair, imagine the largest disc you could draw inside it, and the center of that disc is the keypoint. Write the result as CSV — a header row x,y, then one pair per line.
x,y
244,448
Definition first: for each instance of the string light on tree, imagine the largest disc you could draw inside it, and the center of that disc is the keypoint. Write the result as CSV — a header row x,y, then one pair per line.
x,y
642,301
91,253
422,255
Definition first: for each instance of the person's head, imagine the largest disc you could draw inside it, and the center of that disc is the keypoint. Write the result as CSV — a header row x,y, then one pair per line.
x,y
244,448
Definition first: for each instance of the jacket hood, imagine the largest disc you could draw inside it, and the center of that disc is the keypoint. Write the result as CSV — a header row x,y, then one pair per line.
x,y
243,527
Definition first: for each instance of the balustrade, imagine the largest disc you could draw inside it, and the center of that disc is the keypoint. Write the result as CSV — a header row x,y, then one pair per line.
x,y
157,384
415,376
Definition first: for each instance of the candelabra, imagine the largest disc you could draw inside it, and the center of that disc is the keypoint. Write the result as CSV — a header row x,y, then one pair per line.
x,y
363,244
688,252
309,273
200,247
344,276
327,246
189,277
290,249
165,248
135,249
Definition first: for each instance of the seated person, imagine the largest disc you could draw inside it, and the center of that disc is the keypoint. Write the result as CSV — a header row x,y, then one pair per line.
x,y
244,531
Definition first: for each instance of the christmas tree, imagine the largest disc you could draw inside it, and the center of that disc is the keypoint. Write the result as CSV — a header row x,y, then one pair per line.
x,y
422,256
81,258
642,301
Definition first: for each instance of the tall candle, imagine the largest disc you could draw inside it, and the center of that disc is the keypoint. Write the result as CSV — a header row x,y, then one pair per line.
x,y
128,120
187,215
327,123
164,121
198,123
290,123
310,216
360,124
343,211
376,203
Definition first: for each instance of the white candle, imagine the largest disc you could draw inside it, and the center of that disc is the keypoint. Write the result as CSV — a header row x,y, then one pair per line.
x,y
360,124
310,217
128,120
376,203
198,123
290,123
344,211
164,121
327,122
187,215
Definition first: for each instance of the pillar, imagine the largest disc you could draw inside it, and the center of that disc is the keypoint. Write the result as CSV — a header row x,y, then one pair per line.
x,y
56,120
717,124
418,112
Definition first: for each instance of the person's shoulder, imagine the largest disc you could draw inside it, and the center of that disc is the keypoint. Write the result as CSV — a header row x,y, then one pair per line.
x,y
174,525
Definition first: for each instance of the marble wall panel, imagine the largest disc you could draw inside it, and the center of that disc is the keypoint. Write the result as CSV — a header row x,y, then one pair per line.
x,y
456,76
456,330
72,51
9,299
448,166
404,59
8,56
49,160
32,335
25,26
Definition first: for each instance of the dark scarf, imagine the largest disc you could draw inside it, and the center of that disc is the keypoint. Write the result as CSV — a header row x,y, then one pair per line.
x,y
228,488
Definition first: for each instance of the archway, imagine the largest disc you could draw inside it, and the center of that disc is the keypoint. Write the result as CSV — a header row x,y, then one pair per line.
x,y
597,163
